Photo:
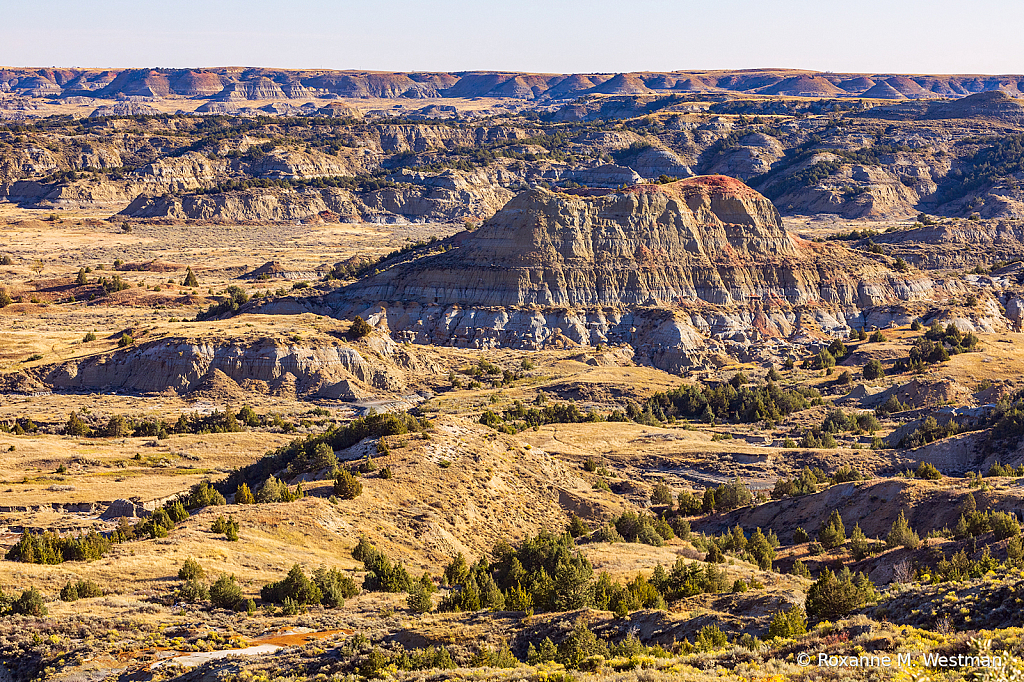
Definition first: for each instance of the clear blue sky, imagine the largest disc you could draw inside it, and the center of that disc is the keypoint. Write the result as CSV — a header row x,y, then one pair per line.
x,y
905,36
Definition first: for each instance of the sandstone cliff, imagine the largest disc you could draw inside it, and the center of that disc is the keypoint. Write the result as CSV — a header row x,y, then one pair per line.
x,y
668,269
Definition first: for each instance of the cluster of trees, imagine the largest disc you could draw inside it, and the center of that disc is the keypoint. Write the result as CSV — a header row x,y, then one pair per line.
x,y
228,526
758,549
937,345
808,480
930,431
734,401
354,269
121,426
50,548
233,299
303,454
633,527
30,603
519,417
329,587
989,165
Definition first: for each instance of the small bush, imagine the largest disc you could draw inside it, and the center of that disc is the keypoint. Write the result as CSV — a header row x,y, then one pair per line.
x,y
225,593
347,486
873,370
191,570
360,328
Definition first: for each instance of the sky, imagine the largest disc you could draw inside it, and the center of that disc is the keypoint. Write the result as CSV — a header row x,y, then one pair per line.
x,y
548,36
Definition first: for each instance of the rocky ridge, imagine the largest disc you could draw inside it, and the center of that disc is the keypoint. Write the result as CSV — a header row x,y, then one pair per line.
x,y
236,84
674,270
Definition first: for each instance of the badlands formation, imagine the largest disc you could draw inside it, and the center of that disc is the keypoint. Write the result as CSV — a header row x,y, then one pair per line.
x,y
317,375
662,268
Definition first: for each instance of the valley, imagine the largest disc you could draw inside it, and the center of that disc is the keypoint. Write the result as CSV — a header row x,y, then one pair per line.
x,y
507,376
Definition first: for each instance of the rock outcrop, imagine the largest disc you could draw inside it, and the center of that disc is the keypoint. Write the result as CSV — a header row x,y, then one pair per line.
x,y
665,268
320,369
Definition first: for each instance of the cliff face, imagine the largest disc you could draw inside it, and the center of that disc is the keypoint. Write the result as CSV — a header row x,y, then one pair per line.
x,y
666,268
709,239
319,370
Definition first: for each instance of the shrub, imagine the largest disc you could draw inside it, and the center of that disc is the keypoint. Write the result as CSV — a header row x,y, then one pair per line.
x,y
83,589
347,486
360,328
789,624
225,593
832,597
296,586
873,370
5,298
125,340
833,534
877,337
902,534
193,590
927,471
243,495
190,570
661,495
800,536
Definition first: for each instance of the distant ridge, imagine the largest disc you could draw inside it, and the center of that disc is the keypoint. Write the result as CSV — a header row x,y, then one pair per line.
x,y
239,83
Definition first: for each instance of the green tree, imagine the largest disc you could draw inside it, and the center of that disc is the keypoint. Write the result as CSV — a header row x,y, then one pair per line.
x,y
833,534
419,599
873,370
661,495
191,569
902,534
295,586
860,547
190,278
360,328
832,597
789,624
30,603
577,528
75,426
118,426
225,593
579,646
243,495
761,550
323,458
347,486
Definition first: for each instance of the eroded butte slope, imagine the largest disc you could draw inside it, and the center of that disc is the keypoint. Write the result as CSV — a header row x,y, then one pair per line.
x,y
665,268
